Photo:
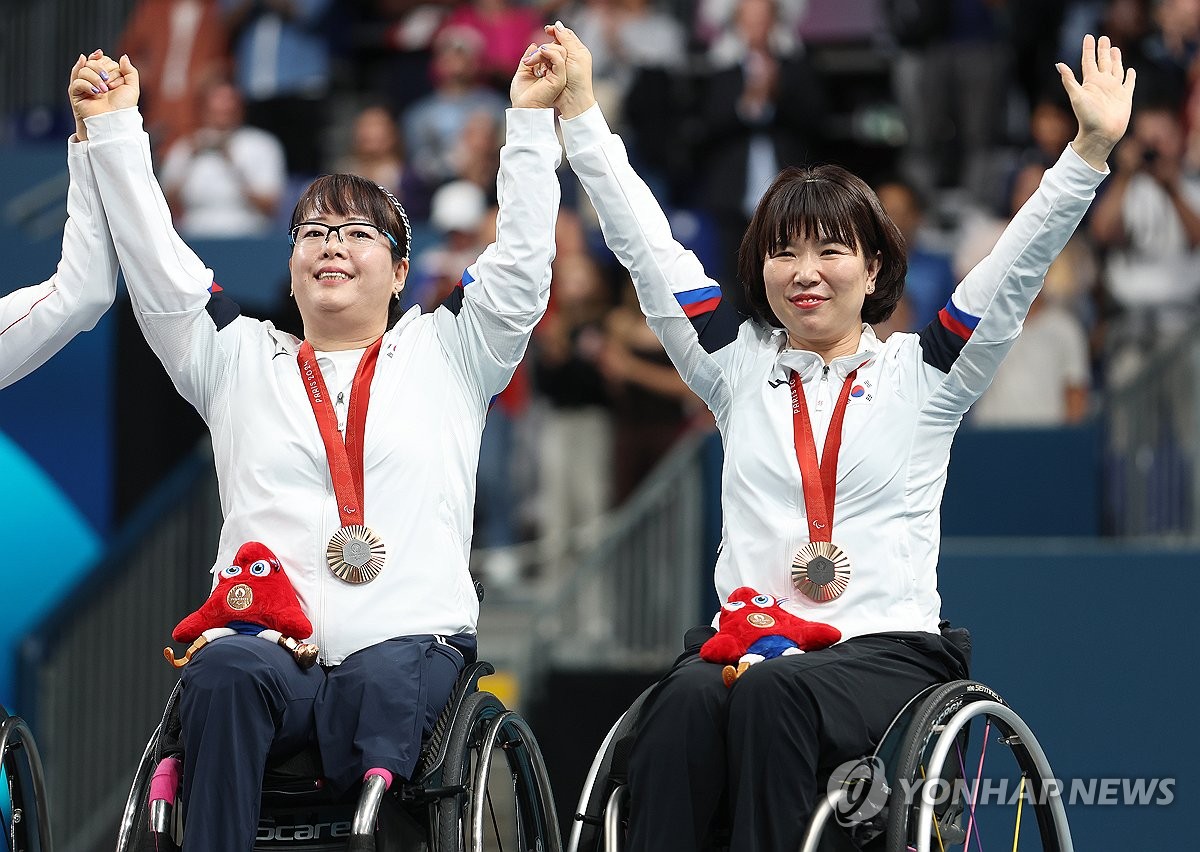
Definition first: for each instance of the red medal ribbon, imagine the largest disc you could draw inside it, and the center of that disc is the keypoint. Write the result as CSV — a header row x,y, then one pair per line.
x,y
345,458
820,480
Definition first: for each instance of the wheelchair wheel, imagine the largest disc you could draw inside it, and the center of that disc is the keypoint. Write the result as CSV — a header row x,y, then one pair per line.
x,y
601,813
23,794
992,789
497,812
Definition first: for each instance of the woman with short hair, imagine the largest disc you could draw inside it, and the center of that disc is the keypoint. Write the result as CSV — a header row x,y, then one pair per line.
x,y
836,447
350,453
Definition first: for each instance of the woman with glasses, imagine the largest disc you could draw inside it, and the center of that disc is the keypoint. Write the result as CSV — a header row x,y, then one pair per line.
x,y
836,446
37,321
351,453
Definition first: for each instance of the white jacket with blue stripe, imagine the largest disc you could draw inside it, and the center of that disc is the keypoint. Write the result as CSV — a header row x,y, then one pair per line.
x,y
435,377
908,401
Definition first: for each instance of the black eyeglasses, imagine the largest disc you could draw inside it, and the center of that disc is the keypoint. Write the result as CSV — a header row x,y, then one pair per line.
x,y
353,235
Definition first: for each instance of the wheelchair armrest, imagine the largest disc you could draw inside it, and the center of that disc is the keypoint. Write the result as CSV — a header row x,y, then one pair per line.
x,y
960,638
434,752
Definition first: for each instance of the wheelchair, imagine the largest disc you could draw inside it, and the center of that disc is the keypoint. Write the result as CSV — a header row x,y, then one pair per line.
x,y
23,797
448,806
928,784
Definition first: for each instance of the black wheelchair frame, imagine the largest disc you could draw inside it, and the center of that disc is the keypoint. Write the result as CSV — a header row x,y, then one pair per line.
x,y
27,821
442,809
878,793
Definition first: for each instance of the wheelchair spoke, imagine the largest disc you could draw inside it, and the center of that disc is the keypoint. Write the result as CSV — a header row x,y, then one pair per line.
x,y
937,828
1020,806
986,802
495,824
972,824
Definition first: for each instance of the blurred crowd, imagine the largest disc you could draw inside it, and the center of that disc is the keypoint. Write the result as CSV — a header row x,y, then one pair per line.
x,y
964,114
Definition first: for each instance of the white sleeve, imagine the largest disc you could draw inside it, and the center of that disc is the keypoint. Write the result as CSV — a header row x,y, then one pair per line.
x,y
37,321
486,322
178,308
697,327
971,335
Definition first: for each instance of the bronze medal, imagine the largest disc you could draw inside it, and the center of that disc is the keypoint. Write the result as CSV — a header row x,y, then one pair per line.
x,y
356,554
240,597
760,619
821,571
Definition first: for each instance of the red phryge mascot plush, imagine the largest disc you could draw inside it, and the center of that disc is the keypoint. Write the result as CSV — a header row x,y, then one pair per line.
x,y
252,596
754,627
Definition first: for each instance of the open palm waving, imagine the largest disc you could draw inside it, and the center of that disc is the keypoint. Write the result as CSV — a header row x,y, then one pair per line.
x,y
1103,101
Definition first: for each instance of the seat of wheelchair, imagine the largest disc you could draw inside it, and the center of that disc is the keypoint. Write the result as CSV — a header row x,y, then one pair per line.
x,y
300,775
616,765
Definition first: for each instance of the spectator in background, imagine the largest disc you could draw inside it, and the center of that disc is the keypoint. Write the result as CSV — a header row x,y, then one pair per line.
x,y
393,40
640,65
435,123
628,35
576,445
949,80
377,154
651,402
714,20
1045,380
505,29
225,180
475,156
182,44
930,280
761,111
283,69
1051,126
1172,46
460,214
1149,220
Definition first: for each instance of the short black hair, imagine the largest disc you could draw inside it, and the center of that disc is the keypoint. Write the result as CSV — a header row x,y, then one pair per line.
x,y
833,203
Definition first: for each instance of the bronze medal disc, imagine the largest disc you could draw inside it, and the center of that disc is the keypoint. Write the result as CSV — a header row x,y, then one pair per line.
x,y
356,554
760,619
821,571
240,597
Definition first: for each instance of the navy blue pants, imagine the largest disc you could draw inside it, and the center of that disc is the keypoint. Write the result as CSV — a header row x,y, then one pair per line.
x,y
245,701
762,744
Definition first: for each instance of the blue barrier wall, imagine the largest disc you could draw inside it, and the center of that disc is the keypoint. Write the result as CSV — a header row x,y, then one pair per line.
x,y
1024,482
1095,647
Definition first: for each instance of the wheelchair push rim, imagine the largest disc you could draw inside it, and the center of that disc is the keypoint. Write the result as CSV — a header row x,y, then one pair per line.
x,y
471,822
952,793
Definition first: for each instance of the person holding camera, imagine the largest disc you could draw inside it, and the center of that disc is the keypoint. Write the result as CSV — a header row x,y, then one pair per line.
x,y
226,179
1149,220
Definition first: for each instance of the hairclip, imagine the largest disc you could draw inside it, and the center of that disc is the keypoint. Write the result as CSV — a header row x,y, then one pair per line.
x,y
403,218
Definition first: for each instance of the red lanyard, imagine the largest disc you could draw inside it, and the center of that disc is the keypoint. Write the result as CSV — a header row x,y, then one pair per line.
x,y
345,458
820,480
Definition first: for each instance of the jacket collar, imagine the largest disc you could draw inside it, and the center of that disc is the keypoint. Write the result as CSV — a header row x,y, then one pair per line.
x,y
808,364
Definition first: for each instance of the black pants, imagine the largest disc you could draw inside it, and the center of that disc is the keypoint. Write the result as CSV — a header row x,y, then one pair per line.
x,y
763,743
245,701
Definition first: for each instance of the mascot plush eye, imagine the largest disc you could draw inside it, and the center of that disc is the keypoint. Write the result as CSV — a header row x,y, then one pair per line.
x,y
758,600
231,571
261,568
733,606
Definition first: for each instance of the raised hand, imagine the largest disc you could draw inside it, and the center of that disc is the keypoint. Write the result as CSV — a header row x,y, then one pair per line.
x,y
100,84
540,78
1102,102
577,97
